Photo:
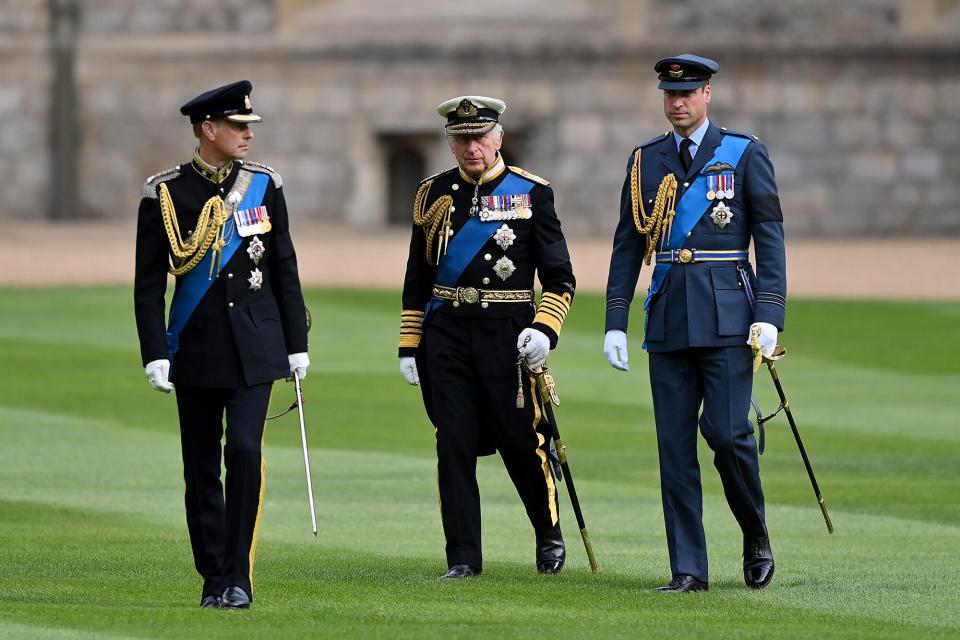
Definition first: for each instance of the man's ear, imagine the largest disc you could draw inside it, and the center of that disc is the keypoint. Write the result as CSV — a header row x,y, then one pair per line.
x,y
209,130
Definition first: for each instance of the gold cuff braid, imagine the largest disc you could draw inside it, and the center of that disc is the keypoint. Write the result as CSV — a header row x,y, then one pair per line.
x,y
552,310
660,220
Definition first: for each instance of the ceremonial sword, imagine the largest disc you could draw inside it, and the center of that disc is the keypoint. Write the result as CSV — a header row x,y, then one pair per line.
x,y
306,453
778,353
546,389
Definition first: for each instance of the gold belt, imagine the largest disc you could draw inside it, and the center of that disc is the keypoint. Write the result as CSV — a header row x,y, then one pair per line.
x,y
471,295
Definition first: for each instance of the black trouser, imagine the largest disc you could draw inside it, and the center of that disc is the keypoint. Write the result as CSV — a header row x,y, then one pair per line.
x,y
721,379
468,370
223,528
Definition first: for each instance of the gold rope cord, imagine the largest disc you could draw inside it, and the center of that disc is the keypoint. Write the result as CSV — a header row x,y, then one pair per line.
x,y
663,208
432,218
208,231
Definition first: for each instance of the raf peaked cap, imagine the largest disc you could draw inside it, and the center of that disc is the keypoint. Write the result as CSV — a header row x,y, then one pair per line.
x,y
471,115
231,102
685,72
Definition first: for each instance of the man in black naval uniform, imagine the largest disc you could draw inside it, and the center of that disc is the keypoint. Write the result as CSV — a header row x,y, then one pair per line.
x,y
237,323
693,198
481,231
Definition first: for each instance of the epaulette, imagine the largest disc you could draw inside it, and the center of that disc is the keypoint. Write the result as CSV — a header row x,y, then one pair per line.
x,y
150,184
437,175
530,176
263,168
742,134
649,142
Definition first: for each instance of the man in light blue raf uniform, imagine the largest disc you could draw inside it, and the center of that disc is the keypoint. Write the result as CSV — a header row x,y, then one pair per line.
x,y
692,200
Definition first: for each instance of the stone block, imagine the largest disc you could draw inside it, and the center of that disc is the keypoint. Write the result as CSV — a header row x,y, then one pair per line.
x,y
872,167
922,164
901,131
582,134
854,130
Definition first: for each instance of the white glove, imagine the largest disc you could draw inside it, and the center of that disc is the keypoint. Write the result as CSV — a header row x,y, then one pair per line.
x,y
615,348
158,375
537,347
768,337
408,367
299,363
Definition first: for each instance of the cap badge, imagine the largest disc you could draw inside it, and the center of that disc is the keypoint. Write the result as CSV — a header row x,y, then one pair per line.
x,y
676,71
466,109
246,102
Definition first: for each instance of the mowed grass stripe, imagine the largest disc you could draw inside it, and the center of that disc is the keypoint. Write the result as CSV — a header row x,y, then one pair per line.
x,y
91,507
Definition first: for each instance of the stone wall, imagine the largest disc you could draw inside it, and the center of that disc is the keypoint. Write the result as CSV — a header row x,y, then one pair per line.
x,y
857,101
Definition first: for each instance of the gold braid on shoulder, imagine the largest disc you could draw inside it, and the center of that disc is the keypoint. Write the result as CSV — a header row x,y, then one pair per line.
x,y
209,225
660,220
431,219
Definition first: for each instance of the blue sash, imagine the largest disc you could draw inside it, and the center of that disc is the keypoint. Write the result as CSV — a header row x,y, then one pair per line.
x,y
197,282
691,208
471,237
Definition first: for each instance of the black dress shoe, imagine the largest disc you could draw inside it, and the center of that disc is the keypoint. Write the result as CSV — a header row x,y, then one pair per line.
x,y
551,553
757,562
459,571
235,598
210,602
684,583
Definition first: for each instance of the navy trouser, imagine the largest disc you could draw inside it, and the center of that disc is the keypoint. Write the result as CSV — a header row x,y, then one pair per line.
x,y
468,370
721,379
222,526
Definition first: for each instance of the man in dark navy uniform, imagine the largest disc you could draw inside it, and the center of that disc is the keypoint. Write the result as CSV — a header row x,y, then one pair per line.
x,y
692,200
481,231
237,323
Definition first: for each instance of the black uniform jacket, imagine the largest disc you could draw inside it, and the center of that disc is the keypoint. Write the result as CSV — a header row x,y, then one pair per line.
x,y
236,335
538,248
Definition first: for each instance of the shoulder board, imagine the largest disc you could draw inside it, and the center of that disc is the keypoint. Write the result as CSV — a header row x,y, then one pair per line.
x,y
742,134
659,138
150,184
259,167
437,175
530,176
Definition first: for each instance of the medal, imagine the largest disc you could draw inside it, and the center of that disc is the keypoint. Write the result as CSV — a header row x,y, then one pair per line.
x,y
255,250
721,215
504,236
728,185
504,267
252,221
712,187
255,280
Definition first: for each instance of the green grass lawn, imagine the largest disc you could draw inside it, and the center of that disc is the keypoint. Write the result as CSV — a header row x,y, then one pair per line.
x,y
93,542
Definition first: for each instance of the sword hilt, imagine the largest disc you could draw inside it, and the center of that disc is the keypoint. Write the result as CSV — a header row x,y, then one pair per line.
x,y
755,346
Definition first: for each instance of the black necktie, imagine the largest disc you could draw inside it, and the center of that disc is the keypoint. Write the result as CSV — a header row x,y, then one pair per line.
x,y
686,158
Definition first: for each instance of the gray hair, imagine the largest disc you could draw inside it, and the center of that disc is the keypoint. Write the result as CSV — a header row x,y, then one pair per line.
x,y
497,130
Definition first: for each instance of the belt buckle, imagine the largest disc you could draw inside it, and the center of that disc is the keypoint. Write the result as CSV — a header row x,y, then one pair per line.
x,y
468,295
685,256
